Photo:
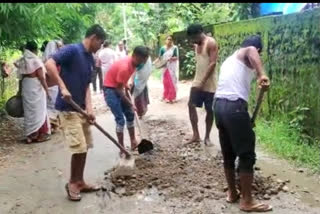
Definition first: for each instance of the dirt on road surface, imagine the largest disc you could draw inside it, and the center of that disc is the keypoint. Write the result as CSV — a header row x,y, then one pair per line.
x,y
174,178
183,170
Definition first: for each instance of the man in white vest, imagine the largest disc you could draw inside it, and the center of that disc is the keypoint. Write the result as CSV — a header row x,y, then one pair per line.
x,y
237,138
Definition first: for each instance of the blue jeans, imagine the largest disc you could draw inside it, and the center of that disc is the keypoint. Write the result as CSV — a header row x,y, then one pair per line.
x,y
119,109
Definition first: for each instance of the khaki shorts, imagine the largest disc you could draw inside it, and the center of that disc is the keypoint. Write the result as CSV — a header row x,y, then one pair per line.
x,y
76,131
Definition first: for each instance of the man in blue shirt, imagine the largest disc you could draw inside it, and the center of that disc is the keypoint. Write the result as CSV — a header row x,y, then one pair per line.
x,y
76,61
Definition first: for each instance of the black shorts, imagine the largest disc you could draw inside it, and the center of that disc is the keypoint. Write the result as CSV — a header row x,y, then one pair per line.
x,y
198,98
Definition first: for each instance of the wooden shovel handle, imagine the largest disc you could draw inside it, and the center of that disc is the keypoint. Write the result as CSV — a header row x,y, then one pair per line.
x,y
256,109
135,114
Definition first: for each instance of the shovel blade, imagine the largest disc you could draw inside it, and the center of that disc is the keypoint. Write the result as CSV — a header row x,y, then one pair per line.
x,y
125,167
145,146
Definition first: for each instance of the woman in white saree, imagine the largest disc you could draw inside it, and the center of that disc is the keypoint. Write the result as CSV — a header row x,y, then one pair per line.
x,y
140,88
34,95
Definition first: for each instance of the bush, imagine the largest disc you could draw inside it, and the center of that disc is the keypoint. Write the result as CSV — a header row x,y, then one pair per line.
x,y
189,64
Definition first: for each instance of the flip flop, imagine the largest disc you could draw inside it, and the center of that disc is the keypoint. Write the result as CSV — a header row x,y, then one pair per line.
x,y
90,189
261,207
234,200
70,197
188,142
43,139
32,141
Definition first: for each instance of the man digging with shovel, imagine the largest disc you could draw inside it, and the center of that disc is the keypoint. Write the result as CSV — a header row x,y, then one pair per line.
x,y
116,95
237,138
76,61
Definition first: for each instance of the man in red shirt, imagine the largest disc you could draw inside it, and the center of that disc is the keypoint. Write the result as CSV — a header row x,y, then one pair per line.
x,y
116,96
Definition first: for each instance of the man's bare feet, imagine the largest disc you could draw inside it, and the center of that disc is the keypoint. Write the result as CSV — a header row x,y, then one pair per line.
x,y
194,139
134,145
87,188
233,197
255,207
121,154
208,142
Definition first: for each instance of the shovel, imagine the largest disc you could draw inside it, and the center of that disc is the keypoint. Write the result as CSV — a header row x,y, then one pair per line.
x,y
257,107
145,145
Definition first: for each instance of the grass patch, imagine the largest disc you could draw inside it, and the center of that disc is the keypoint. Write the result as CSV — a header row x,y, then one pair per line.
x,y
278,137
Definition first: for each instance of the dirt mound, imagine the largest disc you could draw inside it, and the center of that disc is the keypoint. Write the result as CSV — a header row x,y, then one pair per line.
x,y
178,174
265,187
179,170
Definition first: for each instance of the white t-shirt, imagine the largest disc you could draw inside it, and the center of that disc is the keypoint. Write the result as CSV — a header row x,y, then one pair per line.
x,y
234,79
120,54
107,57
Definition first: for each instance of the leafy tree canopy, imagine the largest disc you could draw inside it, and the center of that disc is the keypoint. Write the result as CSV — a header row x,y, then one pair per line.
x,y
20,22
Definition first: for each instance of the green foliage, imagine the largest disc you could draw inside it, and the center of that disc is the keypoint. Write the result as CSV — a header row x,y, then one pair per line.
x,y
217,13
110,17
75,24
294,57
189,65
143,15
38,21
146,21
138,16
242,11
277,136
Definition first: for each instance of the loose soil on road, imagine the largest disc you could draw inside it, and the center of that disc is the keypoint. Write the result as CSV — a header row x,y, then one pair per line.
x,y
180,170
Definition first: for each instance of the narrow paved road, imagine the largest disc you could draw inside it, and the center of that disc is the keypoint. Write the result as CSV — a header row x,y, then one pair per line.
x,y
32,179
